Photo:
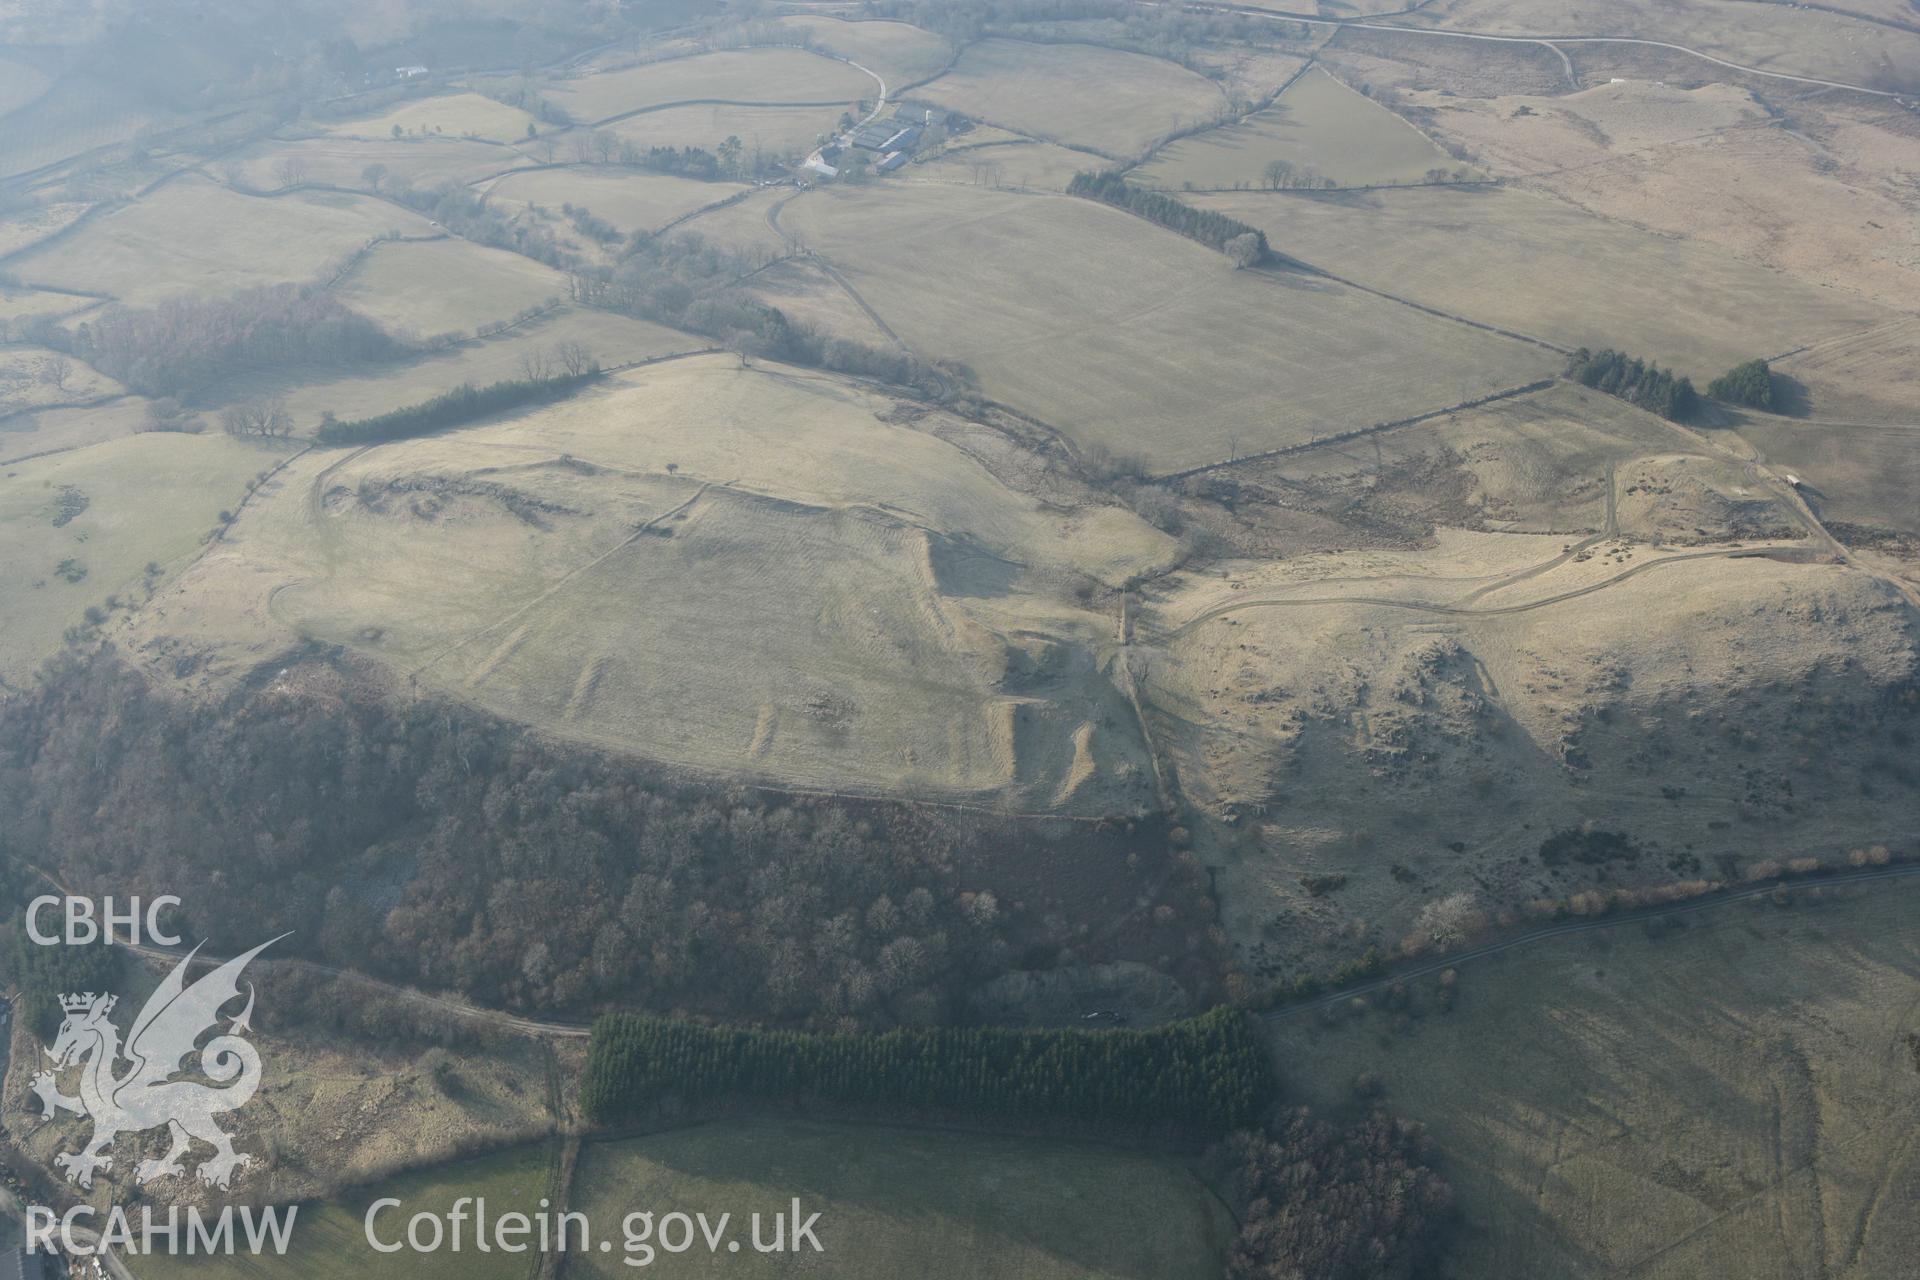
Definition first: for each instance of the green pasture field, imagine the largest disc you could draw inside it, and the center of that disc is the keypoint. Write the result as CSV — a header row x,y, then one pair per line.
x,y
193,236
1319,126
897,52
1107,100
763,131
343,161
329,1238
631,200
454,115
1539,266
1127,336
438,286
898,1202
739,75
105,513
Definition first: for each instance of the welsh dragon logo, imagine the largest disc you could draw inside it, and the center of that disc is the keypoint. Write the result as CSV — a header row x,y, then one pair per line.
x,y
145,1095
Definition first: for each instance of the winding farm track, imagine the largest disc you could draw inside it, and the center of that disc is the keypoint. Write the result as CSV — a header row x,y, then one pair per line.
x,y
1551,41
1453,610
1719,898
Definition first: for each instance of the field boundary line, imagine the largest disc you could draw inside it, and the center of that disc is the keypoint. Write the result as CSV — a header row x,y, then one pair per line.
x,y
639,532
708,102
1455,610
1358,433
1193,131
1436,312
96,402
1725,896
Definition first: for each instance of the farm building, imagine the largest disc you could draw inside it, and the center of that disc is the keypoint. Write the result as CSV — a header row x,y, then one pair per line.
x,y
872,136
926,117
885,136
893,161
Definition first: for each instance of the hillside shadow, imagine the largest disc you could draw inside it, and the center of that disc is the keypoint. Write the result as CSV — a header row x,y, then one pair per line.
x,y
1791,399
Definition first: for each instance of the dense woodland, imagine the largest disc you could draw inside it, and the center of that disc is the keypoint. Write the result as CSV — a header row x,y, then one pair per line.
x,y
427,843
1749,384
1215,230
1636,381
1205,1075
185,344
464,403
1321,1202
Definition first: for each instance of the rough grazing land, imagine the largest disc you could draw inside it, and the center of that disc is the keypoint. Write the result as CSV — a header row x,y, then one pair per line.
x,y
1789,38
1735,1098
1816,193
896,618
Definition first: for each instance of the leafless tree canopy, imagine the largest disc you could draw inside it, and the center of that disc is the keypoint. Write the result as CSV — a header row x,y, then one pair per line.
x,y
257,418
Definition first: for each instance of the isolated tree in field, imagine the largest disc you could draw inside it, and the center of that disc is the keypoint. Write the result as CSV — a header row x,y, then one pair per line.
x,y
55,371
264,419
740,342
168,414
398,132
1245,249
536,366
1749,384
290,172
373,174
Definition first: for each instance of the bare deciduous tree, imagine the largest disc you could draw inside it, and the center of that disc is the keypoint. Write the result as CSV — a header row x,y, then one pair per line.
x,y
290,172
257,418
536,366
574,357
55,371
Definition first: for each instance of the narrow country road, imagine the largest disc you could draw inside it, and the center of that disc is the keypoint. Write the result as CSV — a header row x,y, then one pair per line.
x,y
1551,41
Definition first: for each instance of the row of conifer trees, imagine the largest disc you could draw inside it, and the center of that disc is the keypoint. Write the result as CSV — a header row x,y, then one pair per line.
x,y
1207,1074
